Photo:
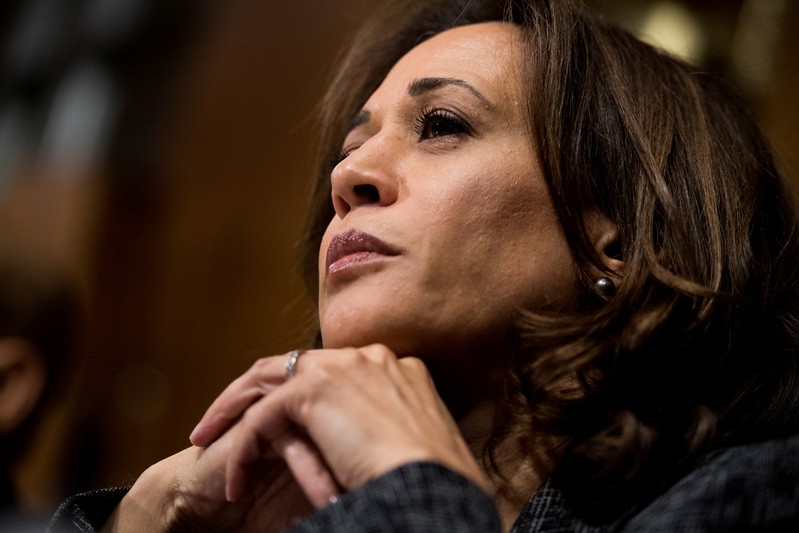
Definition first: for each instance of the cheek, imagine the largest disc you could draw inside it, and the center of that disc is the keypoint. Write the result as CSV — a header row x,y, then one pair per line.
x,y
490,210
506,238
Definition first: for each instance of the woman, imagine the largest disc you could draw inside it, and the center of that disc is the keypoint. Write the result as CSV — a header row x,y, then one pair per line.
x,y
39,326
586,247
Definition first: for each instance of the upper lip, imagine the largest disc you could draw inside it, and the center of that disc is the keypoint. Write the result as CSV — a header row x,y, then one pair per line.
x,y
355,241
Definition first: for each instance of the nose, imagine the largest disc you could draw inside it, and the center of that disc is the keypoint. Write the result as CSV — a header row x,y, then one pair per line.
x,y
367,177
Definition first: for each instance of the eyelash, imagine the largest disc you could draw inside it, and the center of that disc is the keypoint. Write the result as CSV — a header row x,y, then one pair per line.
x,y
339,157
427,117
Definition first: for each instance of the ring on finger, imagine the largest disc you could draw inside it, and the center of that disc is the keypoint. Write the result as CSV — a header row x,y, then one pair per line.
x,y
291,363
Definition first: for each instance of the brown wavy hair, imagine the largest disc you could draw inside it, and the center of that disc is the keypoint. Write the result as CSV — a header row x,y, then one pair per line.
x,y
698,347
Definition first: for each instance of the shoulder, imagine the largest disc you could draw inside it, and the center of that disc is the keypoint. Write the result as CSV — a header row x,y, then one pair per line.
x,y
752,485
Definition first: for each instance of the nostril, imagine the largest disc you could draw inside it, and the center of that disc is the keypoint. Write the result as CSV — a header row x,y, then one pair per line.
x,y
340,206
367,192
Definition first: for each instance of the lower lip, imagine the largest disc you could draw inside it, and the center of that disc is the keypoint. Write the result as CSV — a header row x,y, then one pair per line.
x,y
358,258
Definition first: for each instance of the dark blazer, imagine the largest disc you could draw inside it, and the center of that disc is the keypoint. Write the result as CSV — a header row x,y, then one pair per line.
x,y
749,487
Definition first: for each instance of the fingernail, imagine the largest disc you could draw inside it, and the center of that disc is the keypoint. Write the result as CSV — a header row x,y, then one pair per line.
x,y
196,434
332,500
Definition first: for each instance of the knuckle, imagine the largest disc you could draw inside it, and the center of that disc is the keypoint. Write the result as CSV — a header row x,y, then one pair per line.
x,y
318,377
352,356
379,353
414,363
260,365
379,347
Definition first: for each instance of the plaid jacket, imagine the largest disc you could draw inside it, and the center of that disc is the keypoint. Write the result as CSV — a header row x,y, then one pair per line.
x,y
750,487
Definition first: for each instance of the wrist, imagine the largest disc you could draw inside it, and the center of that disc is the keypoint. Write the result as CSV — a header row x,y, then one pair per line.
x,y
152,504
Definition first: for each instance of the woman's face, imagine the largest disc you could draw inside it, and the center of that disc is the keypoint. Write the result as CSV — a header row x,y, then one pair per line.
x,y
444,228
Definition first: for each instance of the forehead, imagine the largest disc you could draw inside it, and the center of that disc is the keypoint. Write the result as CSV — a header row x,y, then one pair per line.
x,y
485,55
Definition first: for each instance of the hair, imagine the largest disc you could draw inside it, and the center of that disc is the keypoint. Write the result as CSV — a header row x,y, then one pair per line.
x,y
698,347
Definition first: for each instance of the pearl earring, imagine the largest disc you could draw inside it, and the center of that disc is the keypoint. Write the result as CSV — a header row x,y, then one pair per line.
x,y
605,288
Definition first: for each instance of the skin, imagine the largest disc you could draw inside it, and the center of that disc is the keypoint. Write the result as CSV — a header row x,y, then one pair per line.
x,y
22,379
466,207
475,237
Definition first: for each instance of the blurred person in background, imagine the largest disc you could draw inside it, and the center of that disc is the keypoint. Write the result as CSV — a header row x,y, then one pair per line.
x,y
39,316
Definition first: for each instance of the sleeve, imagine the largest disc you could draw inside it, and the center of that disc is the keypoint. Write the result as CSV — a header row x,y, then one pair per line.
x,y
754,486
417,497
86,512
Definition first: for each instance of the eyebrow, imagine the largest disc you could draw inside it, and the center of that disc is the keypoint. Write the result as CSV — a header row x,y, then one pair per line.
x,y
424,85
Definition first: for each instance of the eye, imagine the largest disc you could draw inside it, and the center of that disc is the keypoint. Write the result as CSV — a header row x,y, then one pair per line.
x,y
434,123
339,157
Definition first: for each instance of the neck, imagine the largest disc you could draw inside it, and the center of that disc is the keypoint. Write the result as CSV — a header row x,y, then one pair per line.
x,y
477,399
521,461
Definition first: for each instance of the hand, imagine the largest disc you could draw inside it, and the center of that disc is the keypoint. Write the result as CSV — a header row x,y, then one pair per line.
x,y
186,492
348,416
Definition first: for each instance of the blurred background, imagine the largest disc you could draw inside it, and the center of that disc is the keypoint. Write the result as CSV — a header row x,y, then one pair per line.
x,y
154,158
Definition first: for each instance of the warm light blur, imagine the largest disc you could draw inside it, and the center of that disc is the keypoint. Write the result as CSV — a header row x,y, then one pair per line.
x,y
673,28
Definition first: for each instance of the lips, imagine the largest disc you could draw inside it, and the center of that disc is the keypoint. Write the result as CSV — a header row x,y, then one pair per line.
x,y
353,247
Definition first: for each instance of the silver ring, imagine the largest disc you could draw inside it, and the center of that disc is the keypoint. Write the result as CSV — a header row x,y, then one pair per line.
x,y
291,363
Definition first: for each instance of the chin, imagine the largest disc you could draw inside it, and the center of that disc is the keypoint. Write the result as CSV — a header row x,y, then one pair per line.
x,y
352,319
355,337
363,331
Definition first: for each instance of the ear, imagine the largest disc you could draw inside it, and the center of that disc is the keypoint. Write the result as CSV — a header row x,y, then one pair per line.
x,y
22,380
604,236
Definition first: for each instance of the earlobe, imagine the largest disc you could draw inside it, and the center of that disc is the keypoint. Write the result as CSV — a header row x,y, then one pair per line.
x,y
22,380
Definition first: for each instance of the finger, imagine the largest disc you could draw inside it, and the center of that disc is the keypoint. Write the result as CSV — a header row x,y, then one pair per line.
x,y
423,382
417,373
296,403
415,368
264,375
308,467
405,368
261,423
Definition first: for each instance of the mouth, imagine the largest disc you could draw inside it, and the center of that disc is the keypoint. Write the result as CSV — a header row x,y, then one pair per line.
x,y
354,247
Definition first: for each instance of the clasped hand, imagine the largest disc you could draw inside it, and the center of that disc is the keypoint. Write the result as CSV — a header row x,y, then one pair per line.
x,y
348,416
